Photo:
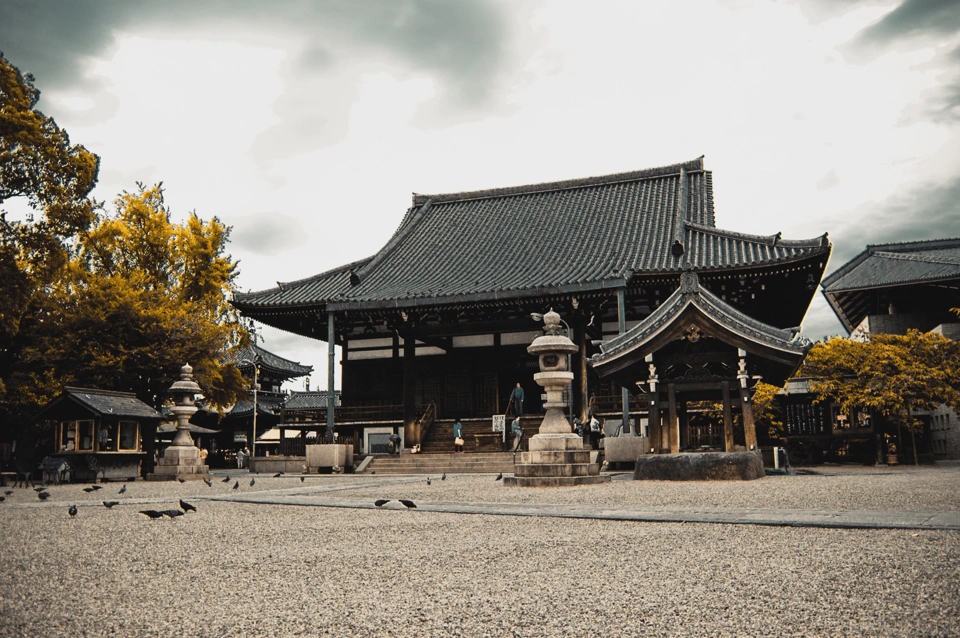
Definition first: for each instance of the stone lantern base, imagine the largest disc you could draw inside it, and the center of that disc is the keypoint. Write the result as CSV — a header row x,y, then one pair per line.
x,y
179,462
555,460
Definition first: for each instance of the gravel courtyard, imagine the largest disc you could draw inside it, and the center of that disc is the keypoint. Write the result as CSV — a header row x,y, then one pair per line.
x,y
240,569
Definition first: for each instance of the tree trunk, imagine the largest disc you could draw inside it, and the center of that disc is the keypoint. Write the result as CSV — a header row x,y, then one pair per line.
x,y
913,437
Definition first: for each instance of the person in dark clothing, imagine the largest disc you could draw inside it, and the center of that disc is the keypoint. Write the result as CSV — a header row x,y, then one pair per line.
x,y
517,432
395,443
517,398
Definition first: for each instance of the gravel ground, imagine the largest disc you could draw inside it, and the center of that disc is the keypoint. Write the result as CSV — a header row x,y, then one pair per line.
x,y
235,569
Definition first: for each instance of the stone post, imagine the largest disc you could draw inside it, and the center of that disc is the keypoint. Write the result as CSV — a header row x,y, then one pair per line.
x,y
181,460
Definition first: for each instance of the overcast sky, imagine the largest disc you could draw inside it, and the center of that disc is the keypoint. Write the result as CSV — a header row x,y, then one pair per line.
x,y
306,125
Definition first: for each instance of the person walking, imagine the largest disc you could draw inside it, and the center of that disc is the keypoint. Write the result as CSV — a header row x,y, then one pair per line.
x,y
517,398
517,432
458,436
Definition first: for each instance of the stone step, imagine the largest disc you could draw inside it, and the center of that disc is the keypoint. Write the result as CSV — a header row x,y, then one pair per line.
x,y
558,469
554,481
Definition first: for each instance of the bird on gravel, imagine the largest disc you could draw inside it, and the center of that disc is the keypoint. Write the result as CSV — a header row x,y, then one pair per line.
x,y
110,504
410,505
8,492
301,479
172,513
154,514
72,511
444,477
278,475
428,480
96,487
2,498
499,477
181,480
381,502
236,485
187,507
208,482
226,480
123,489
373,472
88,490
252,481
43,495
39,489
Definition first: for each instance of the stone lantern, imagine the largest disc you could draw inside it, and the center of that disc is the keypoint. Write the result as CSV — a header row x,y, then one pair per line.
x,y
556,457
181,460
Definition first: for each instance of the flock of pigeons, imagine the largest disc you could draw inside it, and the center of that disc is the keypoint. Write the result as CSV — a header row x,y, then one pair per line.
x,y
185,507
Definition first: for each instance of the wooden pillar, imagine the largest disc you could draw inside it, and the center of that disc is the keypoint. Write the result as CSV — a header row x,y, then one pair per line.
x,y
410,435
331,366
673,432
624,393
727,418
749,429
683,423
654,426
579,362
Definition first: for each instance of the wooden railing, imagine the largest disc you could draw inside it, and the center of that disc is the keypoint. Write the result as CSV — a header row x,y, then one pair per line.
x,y
614,404
426,421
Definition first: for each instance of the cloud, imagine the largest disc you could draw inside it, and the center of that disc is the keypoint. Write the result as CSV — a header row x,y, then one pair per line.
x,y
460,44
929,211
829,180
267,233
911,19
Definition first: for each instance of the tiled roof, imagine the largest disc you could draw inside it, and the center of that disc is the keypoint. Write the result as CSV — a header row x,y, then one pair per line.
x,y
308,400
283,367
266,405
897,264
783,345
561,237
109,403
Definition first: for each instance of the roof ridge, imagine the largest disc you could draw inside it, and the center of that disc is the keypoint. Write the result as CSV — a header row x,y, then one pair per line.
x,y
114,393
919,244
695,165
771,240
912,256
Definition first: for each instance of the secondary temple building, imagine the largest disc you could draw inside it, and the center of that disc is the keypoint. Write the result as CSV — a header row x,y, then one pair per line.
x,y
435,325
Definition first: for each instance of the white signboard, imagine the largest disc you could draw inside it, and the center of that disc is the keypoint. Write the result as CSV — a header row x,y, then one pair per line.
x,y
499,422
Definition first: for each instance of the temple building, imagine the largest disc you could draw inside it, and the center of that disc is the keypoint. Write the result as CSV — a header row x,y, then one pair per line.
x,y
435,325
886,289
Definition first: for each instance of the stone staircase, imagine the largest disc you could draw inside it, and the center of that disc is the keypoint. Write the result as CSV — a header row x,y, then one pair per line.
x,y
478,435
437,464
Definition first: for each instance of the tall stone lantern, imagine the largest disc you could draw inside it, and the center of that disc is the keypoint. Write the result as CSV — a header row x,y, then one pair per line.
x,y
181,460
556,457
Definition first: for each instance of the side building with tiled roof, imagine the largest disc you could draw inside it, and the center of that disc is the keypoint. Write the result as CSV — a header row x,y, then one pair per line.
x,y
442,314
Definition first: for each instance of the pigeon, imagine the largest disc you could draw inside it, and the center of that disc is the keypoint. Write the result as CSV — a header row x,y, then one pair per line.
x,y
226,480
72,511
2,498
123,489
381,502
428,480
252,481
110,504
410,505
236,485
187,507
172,513
88,490
39,489
444,477
373,472
208,482
8,492
181,480
499,477
96,487
43,495
154,514
301,479
278,475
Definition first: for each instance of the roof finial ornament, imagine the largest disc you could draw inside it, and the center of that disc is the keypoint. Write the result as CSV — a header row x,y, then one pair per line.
x,y
689,283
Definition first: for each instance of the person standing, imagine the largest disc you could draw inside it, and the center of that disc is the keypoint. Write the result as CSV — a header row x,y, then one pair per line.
x,y
240,454
594,433
458,436
517,398
395,443
517,432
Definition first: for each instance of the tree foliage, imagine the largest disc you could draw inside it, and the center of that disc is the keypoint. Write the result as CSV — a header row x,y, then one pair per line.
x,y
118,301
889,374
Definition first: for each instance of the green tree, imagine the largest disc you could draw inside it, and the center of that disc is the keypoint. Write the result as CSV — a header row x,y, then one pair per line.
x,y
891,375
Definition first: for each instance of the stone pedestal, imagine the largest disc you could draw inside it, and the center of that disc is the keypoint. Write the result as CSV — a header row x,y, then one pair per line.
x,y
556,457
182,459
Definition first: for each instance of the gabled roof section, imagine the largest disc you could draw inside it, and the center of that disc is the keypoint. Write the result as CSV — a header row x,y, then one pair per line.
x,y
102,403
695,311
580,234
897,264
278,365
309,400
